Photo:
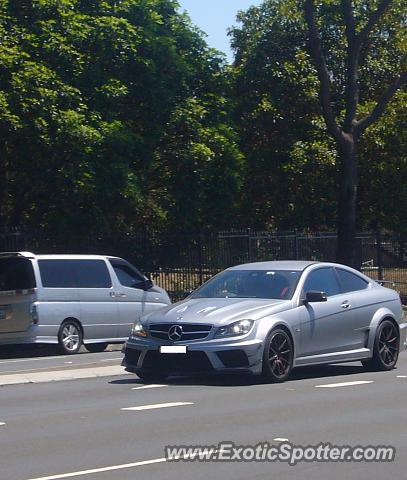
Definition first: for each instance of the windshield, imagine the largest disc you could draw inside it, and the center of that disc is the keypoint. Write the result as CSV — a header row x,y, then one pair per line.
x,y
277,284
16,273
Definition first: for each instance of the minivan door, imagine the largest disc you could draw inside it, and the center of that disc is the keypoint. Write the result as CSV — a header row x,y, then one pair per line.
x,y
89,281
132,299
99,310
17,284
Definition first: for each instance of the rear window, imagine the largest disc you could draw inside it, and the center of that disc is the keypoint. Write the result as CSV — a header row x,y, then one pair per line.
x,y
16,274
74,274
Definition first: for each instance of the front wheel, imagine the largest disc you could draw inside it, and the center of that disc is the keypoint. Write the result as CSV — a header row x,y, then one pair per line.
x,y
278,356
386,347
70,337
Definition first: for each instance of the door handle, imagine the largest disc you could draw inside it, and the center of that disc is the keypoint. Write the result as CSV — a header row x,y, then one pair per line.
x,y
117,294
345,304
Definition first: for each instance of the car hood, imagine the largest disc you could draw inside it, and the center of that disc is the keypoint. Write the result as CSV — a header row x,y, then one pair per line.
x,y
216,311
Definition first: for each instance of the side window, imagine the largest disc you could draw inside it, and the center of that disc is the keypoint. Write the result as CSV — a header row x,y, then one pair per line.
x,y
350,282
92,274
74,274
323,280
128,275
57,273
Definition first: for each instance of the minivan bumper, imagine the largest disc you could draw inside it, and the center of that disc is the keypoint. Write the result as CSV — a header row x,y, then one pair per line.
x,y
34,334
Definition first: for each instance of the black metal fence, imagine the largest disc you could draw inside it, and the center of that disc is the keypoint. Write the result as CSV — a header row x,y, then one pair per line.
x,y
181,262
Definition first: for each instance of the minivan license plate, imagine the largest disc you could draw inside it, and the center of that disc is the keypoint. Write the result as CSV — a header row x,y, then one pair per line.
x,y
173,349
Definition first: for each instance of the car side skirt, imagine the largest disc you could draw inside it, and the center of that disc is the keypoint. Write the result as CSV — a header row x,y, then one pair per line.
x,y
334,357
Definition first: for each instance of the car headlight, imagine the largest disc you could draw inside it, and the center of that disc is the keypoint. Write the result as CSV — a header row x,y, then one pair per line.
x,y
237,328
137,330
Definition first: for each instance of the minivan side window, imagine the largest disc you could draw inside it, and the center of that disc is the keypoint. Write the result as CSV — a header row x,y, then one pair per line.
x,y
74,274
323,280
350,282
128,276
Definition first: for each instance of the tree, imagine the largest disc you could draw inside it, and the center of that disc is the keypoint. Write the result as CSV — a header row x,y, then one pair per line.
x,y
88,92
348,130
294,167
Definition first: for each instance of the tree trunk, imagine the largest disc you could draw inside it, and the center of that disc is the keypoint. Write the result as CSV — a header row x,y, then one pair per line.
x,y
346,247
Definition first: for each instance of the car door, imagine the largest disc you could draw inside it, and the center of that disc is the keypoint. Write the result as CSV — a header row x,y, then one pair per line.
x,y
99,310
326,327
362,302
132,300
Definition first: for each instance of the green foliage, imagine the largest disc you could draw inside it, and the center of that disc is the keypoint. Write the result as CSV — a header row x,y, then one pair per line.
x,y
90,92
116,116
292,163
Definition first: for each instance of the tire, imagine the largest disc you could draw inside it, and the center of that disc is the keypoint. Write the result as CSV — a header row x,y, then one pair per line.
x,y
151,377
70,337
278,356
386,348
96,347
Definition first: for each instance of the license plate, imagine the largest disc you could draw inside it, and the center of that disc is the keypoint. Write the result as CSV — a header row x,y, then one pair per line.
x,y
173,349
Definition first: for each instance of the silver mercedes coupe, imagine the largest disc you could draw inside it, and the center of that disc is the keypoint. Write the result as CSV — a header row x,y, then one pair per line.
x,y
267,318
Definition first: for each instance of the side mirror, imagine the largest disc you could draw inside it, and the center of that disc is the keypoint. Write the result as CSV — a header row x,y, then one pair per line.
x,y
315,296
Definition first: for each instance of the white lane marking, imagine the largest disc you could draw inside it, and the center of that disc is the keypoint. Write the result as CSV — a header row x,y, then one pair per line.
x,y
114,467
2,423
344,384
111,359
100,470
68,363
401,376
278,439
153,385
157,405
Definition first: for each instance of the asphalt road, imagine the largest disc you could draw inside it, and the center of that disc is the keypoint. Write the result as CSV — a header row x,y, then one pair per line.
x,y
60,428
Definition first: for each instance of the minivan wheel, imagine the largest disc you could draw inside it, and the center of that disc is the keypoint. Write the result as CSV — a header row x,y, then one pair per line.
x,y
96,347
70,337
385,349
278,356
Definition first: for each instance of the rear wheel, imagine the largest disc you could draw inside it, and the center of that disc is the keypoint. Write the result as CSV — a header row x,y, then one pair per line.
x,y
278,356
96,347
386,347
70,337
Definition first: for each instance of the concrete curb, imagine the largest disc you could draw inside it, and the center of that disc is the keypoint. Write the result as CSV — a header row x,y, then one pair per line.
x,y
60,375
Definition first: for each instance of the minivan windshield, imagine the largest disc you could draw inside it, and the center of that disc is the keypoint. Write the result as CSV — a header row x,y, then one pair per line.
x,y
275,284
16,273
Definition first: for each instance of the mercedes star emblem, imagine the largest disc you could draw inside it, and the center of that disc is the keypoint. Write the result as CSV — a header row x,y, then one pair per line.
x,y
175,333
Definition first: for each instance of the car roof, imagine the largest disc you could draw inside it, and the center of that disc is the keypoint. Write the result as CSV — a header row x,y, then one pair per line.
x,y
61,256
297,265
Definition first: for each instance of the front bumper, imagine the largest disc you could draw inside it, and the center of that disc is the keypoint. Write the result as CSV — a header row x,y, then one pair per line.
x,y
205,357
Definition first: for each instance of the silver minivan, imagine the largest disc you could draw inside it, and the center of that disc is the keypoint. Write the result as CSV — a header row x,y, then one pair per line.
x,y
72,299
